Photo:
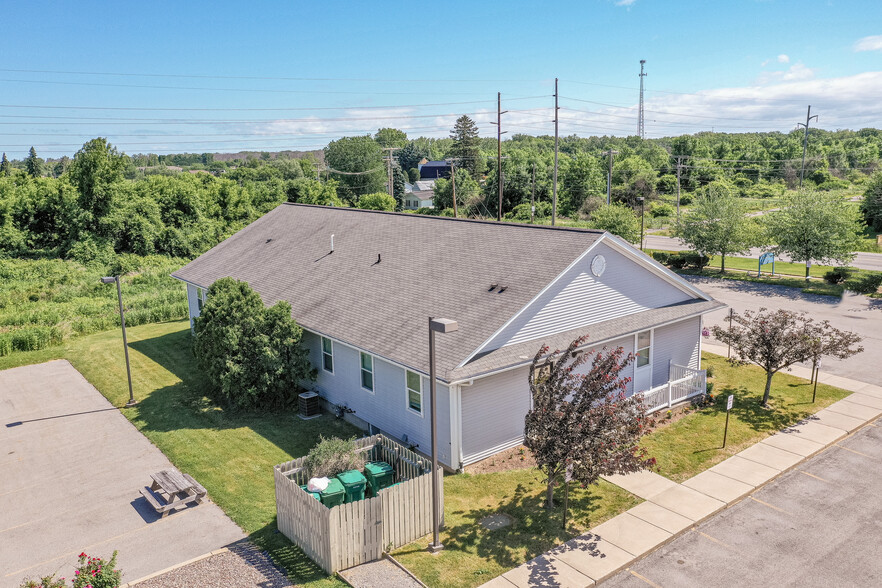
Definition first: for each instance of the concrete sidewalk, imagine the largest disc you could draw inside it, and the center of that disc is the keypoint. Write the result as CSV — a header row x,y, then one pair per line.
x,y
670,509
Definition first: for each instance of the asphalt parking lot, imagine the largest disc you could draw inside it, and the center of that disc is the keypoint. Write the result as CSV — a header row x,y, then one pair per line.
x,y
71,466
819,524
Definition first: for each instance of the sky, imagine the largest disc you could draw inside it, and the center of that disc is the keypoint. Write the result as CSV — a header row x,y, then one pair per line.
x,y
227,76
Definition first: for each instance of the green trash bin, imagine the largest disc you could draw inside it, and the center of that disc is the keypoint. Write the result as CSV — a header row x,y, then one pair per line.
x,y
379,475
354,482
334,494
316,495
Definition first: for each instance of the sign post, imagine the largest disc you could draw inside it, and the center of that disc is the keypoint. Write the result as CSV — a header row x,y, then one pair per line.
x,y
817,371
568,476
729,403
764,259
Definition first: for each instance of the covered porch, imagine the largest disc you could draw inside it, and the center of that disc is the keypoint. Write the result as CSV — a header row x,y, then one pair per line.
x,y
684,383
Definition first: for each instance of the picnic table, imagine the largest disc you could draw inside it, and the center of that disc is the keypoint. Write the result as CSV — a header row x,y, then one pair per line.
x,y
171,489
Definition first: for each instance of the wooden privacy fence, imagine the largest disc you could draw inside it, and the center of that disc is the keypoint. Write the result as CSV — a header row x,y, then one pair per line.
x,y
350,534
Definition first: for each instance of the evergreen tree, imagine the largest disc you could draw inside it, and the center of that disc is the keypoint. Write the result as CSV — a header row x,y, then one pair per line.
x,y
33,164
4,165
466,146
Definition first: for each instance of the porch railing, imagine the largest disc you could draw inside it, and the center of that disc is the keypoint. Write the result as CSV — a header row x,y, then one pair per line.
x,y
683,383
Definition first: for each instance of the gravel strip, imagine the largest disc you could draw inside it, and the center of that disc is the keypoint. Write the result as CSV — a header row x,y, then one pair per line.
x,y
378,574
243,566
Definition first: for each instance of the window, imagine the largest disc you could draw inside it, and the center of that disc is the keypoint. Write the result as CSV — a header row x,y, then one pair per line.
x,y
200,298
327,355
367,372
414,392
644,340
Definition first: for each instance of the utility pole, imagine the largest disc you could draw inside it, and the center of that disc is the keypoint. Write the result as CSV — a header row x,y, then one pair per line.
x,y
554,181
499,133
640,130
808,119
533,197
453,185
609,152
679,157
389,168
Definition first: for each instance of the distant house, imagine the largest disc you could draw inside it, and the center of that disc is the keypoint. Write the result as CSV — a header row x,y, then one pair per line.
x,y
421,195
432,170
364,306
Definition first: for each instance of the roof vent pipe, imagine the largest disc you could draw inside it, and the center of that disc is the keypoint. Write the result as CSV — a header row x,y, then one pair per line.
x,y
332,242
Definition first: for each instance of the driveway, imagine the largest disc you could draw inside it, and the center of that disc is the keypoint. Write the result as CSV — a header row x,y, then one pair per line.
x,y
868,261
70,469
852,312
817,525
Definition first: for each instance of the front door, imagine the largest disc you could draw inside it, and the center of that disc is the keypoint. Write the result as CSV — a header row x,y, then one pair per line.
x,y
643,362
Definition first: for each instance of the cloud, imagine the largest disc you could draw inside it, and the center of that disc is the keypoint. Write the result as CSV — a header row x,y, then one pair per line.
x,y
777,105
627,3
783,58
797,71
871,43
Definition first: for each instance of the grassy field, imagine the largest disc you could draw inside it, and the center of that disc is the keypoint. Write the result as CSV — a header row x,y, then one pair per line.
x,y
473,555
694,443
45,302
231,454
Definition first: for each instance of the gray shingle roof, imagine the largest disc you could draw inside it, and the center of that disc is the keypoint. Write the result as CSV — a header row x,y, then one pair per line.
x,y
430,266
523,353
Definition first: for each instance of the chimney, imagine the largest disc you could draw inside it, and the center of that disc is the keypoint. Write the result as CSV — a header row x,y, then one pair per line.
x,y
332,242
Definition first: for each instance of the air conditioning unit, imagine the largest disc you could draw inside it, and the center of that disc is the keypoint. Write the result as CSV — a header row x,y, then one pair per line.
x,y
309,405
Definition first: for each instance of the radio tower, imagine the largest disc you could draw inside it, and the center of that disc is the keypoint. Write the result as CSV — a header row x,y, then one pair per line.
x,y
640,119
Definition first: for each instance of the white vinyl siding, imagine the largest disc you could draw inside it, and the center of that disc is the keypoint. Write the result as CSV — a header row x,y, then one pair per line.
x,y
493,411
675,343
384,409
578,298
193,304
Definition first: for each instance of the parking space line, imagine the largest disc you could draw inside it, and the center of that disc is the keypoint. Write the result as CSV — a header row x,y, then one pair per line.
x,y
718,542
814,476
647,580
772,506
853,451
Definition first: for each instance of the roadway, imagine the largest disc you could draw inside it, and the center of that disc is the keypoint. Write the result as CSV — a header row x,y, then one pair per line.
x,y
852,312
816,525
868,261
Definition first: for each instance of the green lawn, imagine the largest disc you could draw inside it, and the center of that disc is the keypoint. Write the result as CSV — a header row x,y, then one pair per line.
x,y
473,555
810,287
231,454
694,443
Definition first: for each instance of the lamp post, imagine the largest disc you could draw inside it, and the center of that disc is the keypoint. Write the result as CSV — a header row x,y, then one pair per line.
x,y
122,320
641,199
440,326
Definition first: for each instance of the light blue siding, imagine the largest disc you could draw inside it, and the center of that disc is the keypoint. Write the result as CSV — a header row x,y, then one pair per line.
x,y
192,302
578,298
676,343
386,407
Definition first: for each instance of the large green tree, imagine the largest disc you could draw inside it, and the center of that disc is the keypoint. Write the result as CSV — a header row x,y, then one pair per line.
x,y
377,201
4,165
357,164
33,164
253,355
467,192
389,137
466,146
618,219
815,226
871,205
96,171
581,178
716,223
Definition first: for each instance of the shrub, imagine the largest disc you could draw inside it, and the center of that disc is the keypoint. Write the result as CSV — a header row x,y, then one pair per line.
x,y
333,455
659,209
685,198
864,283
709,389
44,582
97,573
692,259
677,260
662,257
838,275
710,371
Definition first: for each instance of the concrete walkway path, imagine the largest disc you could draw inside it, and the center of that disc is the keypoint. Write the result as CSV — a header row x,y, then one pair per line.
x,y
670,509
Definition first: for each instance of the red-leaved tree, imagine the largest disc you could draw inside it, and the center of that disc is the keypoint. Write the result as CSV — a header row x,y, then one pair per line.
x,y
583,422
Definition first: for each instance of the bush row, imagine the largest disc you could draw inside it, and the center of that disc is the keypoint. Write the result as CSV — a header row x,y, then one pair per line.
x,y
681,260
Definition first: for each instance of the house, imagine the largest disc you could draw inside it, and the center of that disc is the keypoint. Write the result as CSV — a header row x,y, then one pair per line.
x,y
432,170
362,284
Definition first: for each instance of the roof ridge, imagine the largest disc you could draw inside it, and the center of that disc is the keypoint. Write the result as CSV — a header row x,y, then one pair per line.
x,y
451,219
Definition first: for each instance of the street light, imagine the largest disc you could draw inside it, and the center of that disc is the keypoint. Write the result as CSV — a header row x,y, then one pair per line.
x,y
440,326
641,199
122,319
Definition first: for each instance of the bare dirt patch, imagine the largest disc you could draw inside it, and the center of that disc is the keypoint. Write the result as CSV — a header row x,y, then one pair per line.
x,y
516,458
